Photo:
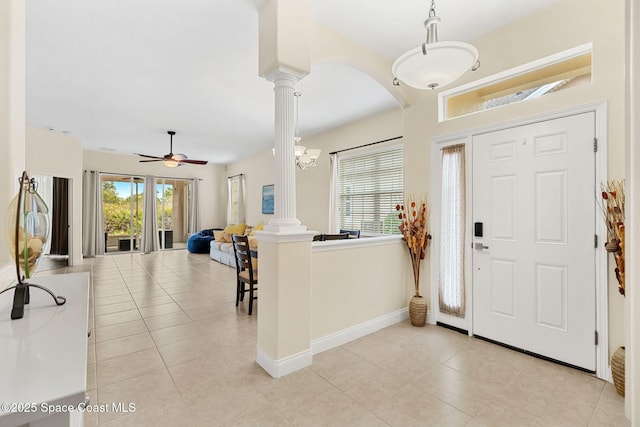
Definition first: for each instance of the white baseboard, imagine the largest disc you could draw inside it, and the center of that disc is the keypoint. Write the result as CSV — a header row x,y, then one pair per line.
x,y
346,335
287,365
608,377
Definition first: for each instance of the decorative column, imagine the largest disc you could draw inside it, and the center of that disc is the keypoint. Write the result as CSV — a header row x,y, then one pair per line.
x,y
284,220
284,319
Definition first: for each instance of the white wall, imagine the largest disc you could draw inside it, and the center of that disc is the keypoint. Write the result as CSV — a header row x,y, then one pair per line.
x,y
352,284
12,115
258,171
52,153
312,192
212,187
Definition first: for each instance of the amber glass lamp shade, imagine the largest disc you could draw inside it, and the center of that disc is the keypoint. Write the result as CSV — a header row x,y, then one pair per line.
x,y
27,228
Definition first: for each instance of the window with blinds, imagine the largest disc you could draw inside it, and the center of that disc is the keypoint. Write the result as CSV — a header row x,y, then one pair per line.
x,y
369,187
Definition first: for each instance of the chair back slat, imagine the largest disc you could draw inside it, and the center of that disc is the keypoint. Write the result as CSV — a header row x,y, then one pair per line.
x,y
339,236
244,265
355,234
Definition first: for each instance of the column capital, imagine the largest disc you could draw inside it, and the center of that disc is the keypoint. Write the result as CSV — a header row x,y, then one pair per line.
x,y
283,76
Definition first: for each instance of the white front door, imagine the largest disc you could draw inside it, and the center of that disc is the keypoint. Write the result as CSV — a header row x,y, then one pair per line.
x,y
534,263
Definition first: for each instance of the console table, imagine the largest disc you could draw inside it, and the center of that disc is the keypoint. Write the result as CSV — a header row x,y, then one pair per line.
x,y
43,361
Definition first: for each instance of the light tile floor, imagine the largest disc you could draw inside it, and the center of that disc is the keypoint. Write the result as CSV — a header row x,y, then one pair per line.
x,y
168,338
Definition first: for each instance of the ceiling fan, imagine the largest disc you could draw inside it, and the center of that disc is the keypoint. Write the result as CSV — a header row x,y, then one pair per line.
x,y
171,160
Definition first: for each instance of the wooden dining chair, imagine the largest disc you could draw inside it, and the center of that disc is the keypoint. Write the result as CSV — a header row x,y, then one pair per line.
x,y
246,276
339,236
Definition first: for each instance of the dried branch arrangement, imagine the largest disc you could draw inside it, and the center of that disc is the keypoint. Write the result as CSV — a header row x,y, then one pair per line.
x,y
414,225
613,212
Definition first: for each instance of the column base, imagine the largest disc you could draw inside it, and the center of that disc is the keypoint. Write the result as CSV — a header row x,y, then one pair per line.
x,y
284,225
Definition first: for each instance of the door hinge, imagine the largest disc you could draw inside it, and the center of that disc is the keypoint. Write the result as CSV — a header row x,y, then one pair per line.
x,y
596,337
595,145
595,241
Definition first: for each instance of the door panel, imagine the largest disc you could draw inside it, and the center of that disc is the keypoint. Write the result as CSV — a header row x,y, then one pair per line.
x,y
534,269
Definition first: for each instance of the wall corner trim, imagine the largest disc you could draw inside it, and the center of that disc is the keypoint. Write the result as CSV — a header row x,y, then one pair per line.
x,y
280,368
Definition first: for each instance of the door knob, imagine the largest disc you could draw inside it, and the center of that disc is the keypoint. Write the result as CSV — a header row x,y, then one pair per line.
x,y
480,246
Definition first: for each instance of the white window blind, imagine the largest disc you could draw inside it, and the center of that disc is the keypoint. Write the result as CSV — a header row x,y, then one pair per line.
x,y
370,186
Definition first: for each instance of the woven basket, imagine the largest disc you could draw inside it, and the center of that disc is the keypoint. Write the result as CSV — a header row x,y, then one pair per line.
x,y
617,370
418,311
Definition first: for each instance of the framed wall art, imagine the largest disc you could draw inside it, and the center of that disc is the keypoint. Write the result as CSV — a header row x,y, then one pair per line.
x,y
267,199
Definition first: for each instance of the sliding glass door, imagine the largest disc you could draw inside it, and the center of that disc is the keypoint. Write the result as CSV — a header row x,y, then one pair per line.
x,y
173,203
122,202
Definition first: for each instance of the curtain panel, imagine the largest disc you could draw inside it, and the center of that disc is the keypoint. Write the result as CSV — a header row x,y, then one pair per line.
x,y
194,208
235,200
452,232
334,225
93,235
150,240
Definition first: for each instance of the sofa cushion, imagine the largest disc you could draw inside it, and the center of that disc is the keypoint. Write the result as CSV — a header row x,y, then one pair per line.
x,y
235,228
226,247
221,236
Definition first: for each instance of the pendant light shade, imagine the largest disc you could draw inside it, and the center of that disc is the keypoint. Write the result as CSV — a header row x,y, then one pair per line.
x,y
435,64
444,63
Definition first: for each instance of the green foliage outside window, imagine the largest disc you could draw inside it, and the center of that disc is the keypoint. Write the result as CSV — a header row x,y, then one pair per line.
x,y
117,211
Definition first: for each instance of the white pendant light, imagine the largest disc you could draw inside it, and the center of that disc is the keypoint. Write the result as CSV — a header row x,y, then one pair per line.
x,y
435,64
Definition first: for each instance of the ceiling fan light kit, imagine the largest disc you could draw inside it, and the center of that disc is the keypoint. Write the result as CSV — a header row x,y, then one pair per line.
x,y
435,64
172,160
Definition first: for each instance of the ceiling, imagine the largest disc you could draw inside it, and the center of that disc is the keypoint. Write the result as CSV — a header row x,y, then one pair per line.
x,y
119,73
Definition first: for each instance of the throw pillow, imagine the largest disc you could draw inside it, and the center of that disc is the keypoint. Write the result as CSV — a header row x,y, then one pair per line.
x,y
218,236
258,227
235,229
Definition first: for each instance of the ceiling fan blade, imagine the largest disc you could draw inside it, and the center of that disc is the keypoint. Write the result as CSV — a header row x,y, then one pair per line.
x,y
194,162
146,155
179,158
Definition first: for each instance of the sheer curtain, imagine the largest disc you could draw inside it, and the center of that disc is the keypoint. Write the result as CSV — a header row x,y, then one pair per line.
x,y
194,209
93,238
45,190
452,233
150,239
235,199
333,195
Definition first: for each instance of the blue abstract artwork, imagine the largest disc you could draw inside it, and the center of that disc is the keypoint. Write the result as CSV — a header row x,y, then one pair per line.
x,y
267,199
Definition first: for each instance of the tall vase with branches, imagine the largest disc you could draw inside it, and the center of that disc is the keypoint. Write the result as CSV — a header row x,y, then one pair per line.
x,y
612,207
414,216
